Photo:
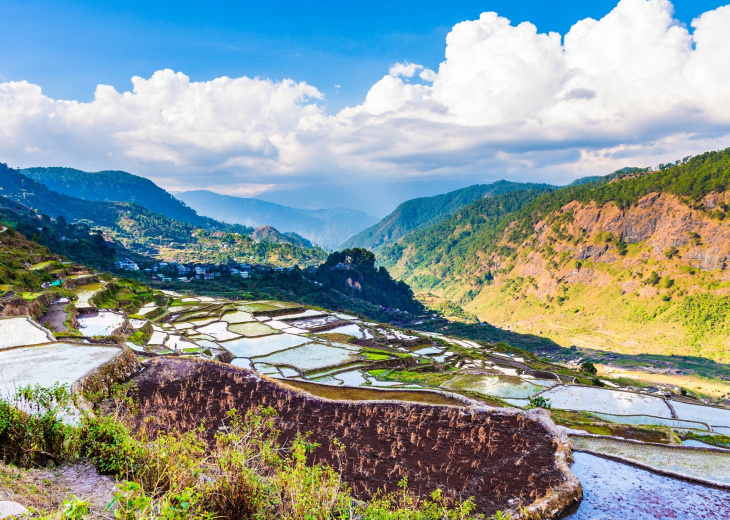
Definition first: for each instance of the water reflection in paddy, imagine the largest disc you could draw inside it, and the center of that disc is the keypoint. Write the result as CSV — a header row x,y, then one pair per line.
x,y
615,491
310,357
606,401
101,324
252,347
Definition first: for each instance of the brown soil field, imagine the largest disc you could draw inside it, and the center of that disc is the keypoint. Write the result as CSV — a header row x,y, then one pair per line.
x,y
501,458
367,394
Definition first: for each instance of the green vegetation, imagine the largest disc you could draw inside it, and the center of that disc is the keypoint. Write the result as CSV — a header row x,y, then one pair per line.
x,y
136,230
353,272
588,368
721,441
436,255
539,401
269,234
584,265
116,186
419,213
167,476
75,241
427,375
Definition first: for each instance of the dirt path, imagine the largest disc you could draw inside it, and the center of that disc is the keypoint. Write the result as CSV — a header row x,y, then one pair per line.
x,y
46,489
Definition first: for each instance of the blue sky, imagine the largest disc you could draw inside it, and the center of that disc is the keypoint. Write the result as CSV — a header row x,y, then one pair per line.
x,y
302,102
69,47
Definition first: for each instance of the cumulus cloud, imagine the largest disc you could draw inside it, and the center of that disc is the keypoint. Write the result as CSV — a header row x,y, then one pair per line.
x,y
164,121
636,79
635,87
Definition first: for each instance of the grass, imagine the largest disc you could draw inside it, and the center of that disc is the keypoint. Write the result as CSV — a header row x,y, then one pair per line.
x,y
721,441
27,487
336,336
371,356
433,379
583,421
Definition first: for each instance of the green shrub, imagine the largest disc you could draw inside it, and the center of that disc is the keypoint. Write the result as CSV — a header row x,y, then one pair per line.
x,y
31,428
245,474
588,368
540,402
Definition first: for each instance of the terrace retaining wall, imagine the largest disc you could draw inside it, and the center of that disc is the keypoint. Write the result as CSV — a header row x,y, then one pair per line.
x,y
98,382
504,458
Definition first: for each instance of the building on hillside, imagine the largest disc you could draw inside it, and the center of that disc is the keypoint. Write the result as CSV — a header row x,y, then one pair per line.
x,y
126,265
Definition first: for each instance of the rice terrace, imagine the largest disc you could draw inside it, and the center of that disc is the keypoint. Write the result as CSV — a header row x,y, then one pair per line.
x,y
365,261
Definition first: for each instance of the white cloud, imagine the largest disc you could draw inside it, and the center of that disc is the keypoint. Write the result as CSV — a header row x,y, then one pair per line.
x,y
635,79
635,87
405,70
165,120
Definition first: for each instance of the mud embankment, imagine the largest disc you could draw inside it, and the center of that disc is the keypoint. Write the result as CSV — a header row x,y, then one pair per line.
x,y
503,459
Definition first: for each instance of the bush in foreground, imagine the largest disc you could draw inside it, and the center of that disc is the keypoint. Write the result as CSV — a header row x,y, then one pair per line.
x,y
246,474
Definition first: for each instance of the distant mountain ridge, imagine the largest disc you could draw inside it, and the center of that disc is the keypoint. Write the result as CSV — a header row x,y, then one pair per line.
x,y
422,212
116,186
326,227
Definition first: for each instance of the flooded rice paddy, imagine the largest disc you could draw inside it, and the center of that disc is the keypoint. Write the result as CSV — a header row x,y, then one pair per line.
x,y
606,401
49,364
263,346
650,421
710,415
616,491
498,386
311,357
711,465
85,293
21,331
101,324
365,394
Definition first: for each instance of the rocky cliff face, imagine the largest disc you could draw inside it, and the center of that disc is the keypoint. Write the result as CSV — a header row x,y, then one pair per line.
x,y
667,236
653,277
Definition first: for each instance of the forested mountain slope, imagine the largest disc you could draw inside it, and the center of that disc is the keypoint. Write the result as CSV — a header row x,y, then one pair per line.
x,y
149,233
419,213
269,234
637,262
117,186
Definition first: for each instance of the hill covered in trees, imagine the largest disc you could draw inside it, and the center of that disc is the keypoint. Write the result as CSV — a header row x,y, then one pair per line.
x,y
422,212
353,272
143,231
116,186
635,261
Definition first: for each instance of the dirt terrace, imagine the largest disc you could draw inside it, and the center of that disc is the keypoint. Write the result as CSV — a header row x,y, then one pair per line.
x,y
501,459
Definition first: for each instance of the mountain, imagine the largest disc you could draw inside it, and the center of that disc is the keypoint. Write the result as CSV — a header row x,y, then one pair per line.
x,y
28,192
635,262
269,234
326,227
74,241
117,186
418,213
149,233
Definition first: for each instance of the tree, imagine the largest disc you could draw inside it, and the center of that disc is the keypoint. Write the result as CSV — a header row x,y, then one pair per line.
x,y
588,368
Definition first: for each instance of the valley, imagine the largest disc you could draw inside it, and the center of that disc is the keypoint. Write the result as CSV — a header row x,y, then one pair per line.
x,y
539,325
290,357
365,261
629,271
